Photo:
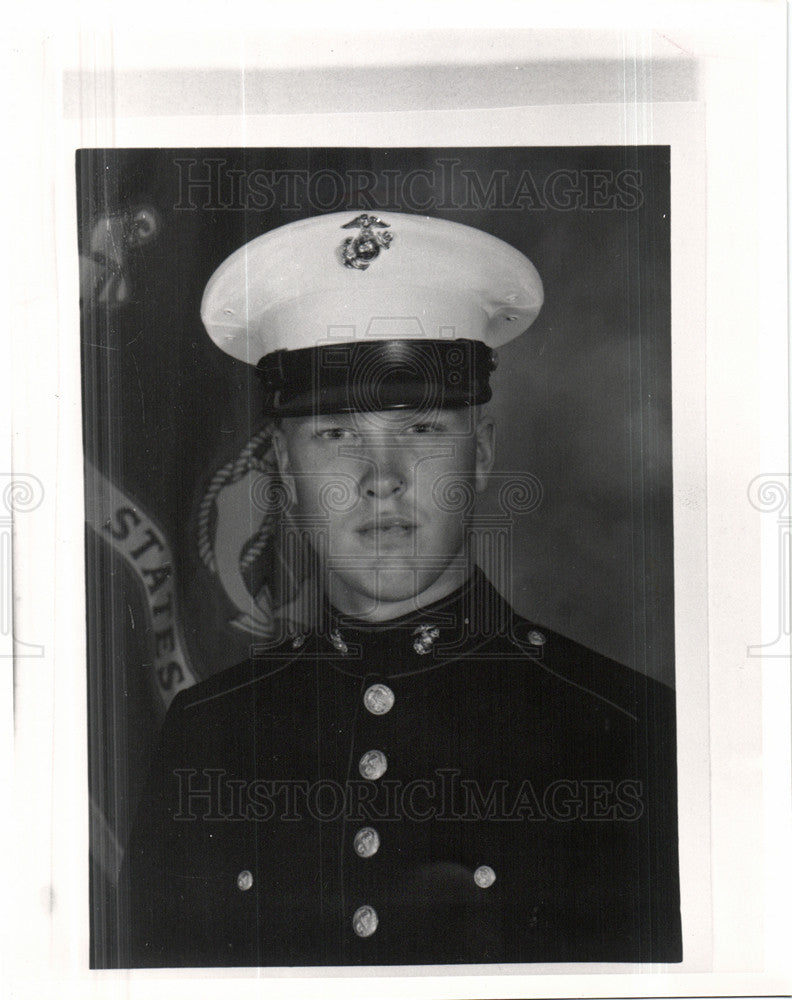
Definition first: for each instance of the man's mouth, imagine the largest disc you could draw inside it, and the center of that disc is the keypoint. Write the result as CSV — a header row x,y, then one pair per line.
x,y
387,526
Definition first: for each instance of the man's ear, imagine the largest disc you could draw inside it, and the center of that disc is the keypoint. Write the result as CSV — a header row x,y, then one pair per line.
x,y
281,447
485,451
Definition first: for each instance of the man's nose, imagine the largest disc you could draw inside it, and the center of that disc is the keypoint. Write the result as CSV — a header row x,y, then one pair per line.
x,y
386,472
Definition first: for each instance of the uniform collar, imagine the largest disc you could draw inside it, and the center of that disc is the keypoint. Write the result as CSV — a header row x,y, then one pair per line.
x,y
415,640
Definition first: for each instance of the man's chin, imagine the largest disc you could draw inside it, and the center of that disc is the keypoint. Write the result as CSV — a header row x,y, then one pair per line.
x,y
375,591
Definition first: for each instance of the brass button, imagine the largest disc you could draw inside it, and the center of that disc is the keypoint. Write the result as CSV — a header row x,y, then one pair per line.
x,y
365,921
244,881
373,764
484,876
379,699
366,842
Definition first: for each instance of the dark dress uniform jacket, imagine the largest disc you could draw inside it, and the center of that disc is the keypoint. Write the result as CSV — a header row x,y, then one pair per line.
x,y
519,804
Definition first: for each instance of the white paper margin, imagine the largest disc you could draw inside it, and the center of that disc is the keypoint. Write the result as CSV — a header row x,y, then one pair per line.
x,y
730,371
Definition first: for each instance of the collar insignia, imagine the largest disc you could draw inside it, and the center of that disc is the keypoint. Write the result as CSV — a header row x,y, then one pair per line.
x,y
425,636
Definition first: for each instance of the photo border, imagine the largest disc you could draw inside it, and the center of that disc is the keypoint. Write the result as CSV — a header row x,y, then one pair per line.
x,y
730,380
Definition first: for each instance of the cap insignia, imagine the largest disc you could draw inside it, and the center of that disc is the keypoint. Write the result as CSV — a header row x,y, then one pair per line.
x,y
359,251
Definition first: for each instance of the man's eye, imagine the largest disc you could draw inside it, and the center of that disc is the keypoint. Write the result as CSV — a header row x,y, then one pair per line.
x,y
335,433
424,429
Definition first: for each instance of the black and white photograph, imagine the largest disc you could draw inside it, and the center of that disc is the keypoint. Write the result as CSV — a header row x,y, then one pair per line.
x,y
380,601
396,538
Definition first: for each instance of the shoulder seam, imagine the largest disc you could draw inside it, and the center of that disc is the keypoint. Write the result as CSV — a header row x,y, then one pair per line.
x,y
567,680
582,687
239,687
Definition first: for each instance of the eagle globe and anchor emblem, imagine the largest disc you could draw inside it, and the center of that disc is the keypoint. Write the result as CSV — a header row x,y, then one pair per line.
x,y
359,251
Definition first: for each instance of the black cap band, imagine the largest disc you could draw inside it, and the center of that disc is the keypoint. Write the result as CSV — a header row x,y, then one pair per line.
x,y
366,376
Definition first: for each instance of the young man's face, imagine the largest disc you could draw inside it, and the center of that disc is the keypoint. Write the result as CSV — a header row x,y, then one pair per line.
x,y
382,495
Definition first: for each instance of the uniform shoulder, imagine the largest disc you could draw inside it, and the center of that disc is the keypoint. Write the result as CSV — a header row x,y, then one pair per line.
x,y
237,678
574,664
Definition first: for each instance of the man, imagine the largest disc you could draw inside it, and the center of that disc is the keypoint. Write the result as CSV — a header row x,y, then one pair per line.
x,y
412,774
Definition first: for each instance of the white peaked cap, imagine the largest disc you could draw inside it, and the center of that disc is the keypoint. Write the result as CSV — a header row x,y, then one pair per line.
x,y
339,278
